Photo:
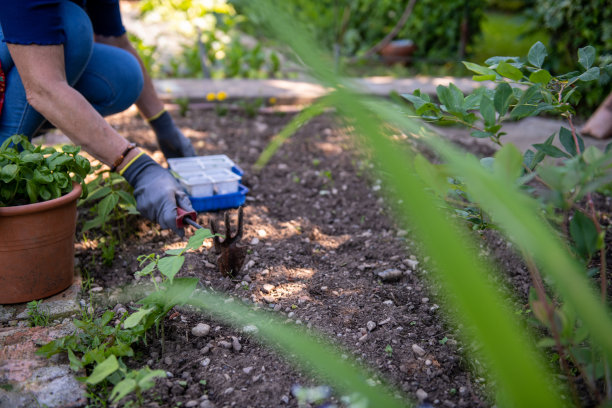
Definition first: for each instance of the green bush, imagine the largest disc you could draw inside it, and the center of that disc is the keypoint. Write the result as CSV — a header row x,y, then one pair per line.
x,y
571,26
434,25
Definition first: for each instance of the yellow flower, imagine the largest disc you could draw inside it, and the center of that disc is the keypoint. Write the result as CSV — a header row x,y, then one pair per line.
x,y
210,96
272,100
221,95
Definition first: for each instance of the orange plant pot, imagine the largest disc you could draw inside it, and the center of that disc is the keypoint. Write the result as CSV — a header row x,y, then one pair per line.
x,y
37,248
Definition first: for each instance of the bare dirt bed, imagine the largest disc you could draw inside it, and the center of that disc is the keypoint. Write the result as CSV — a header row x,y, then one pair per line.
x,y
317,231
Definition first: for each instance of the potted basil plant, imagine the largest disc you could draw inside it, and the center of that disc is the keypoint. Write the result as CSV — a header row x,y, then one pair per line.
x,y
39,188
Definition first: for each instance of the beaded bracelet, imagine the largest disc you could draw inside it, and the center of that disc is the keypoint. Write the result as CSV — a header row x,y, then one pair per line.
x,y
122,156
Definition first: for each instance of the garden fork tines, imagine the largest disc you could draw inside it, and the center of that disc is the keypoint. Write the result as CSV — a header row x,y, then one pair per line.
x,y
231,256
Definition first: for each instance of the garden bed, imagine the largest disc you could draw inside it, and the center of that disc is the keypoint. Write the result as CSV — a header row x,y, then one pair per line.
x,y
317,231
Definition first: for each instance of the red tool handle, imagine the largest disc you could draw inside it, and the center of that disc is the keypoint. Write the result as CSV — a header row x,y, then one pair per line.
x,y
183,216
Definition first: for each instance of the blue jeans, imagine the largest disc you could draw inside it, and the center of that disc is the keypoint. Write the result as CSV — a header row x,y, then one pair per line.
x,y
108,77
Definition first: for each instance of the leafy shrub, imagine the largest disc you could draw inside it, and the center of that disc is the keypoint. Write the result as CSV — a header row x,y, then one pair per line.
x,y
31,174
434,25
573,25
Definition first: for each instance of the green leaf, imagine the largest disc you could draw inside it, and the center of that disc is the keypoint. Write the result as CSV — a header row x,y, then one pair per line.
x,y
75,362
198,238
32,190
103,370
135,318
508,162
487,110
586,56
32,158
43,178
123,388
591,155
508,71
93,223
8,172
522,111
590,74
497,60
482,78
481,135
146,381
584,234
503,97
170,265
178,251
567,141
537,54
98,193
107,205
540,76
551,150
431,175
479,69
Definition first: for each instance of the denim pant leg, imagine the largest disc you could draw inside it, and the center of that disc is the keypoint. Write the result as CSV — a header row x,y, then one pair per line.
x,y
18,116
112,80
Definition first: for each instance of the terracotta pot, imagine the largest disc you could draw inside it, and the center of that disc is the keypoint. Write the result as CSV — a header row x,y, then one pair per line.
x,y
37,248
398,51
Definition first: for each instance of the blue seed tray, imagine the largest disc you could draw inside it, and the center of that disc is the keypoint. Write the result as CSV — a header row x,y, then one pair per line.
x,y
220,201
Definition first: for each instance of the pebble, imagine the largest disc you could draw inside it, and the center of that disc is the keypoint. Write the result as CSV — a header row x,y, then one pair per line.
x,y
285,399
424,300
363,338
247,370
169,374
249,265
225,344
388,302
167,361
205,349
371,325
205,362
246,278
462,390
412,263
427,362
267,288
236,344
389,275
418,350
421,395
291,314
277,308
255,241
207,404
250,328
269,299
228,391
200,330
382,322
191,404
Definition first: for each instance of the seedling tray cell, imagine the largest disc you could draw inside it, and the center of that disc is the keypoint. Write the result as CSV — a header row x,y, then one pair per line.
x,y
220,201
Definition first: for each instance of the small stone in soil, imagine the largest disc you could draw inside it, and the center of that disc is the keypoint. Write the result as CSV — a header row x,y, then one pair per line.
x,y
418,350
249,329
236,344
205,349
388,302
228,390
255,241
200,330
247,370
389,275
382,322
363,338
167,361
285,399
206,404
267,288
225,344
191,404
421,395
205,362
371,325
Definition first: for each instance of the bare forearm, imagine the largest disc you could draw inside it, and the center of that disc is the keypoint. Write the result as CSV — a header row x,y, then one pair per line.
x,y
49,93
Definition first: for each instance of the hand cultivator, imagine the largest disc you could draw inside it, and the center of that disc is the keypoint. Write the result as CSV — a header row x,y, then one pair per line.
x,y
231,256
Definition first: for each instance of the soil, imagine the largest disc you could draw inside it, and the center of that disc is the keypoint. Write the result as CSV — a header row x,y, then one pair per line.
x,y
317,230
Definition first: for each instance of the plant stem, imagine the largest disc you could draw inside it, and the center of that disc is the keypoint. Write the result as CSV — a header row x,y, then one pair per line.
x,y
539,287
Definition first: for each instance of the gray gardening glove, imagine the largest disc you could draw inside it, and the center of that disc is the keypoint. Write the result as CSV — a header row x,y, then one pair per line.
x,y
171,140
157,193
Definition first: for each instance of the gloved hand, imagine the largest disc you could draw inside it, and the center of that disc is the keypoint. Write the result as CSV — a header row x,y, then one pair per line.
x,y
157,193
171,140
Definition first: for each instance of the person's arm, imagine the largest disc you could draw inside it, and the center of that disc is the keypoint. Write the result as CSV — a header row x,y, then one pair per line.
x,y
50,94
42,72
